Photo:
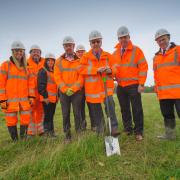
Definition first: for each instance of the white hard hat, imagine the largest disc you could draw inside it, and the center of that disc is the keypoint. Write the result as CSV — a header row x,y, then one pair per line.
x,y
17,45
80,48
50,56
95,35
161,32
34,46
122,31
68,40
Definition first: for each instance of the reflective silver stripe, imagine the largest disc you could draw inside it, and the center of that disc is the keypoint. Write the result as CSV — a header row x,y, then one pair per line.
x,y
109,90
52,94
2,91
17,99
142,73
107,64
131,64
115,65
174,63
61,85
11,114
109,78
89,67
3,72
91,79
17,77
93,95
31,75
127,79
141,61
31,90
168,87
61,68
25,112
50,81
73,84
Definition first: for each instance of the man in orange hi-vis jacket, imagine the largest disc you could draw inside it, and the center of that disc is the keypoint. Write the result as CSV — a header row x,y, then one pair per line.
x,y
16,91
166,67
95,63
70,84
131,76
35,63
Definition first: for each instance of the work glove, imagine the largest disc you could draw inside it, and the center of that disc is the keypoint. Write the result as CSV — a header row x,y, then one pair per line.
x,y
31,101
141,88
69,92
4,105
46,100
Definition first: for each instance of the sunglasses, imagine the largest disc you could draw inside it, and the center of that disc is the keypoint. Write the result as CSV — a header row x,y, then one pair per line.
x,y
96,41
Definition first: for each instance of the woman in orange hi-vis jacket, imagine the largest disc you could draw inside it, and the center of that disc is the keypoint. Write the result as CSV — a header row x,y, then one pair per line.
x,y
16,91
166,66
48,91
131,76
93,64
70,84
35,63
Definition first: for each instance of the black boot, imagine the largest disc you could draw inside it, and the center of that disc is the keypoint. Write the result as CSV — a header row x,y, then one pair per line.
x,y
13,132
23,131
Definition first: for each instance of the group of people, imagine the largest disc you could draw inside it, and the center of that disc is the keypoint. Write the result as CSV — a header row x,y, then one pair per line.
x,y
31,88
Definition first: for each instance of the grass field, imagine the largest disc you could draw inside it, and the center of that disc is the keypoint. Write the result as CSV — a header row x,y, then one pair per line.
x,y
85,157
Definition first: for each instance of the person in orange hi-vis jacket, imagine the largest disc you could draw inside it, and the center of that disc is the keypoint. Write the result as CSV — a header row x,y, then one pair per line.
x,y
35,63
70,84
48,91
166,65
131,76
94,64
17,91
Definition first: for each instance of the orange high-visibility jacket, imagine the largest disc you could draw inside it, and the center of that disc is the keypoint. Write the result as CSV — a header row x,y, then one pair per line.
x,y
66,74
94,87
16,85
167,73
51,87
34,69
132,66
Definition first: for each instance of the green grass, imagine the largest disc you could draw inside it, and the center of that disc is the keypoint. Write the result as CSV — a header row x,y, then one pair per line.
x,y
85,157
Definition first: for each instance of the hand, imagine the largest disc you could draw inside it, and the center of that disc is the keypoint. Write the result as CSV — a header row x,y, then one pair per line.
x,y
141,88
46,100
4,105
108,70
69,92
31,101
101,69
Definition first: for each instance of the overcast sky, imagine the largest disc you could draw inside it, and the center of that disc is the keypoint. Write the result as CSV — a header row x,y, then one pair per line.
x,y
47,22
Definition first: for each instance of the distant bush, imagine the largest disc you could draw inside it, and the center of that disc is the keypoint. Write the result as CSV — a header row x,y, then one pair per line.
x,y
149,89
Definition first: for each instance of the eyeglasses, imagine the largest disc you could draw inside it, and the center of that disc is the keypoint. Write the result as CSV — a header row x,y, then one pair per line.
x,y
96,41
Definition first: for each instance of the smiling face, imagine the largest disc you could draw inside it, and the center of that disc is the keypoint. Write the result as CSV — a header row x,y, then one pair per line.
x,y
124,41
96,44
50,63
18,53
163,41
35,54
80,53
69,48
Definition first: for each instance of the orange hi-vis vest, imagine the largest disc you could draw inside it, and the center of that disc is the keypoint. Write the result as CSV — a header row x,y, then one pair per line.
x,y
34,69
51,87
167,73
16,85
132,66
94,87
66,74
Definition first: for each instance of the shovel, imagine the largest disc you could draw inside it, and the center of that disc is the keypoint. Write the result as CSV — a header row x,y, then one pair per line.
x,y
111,143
